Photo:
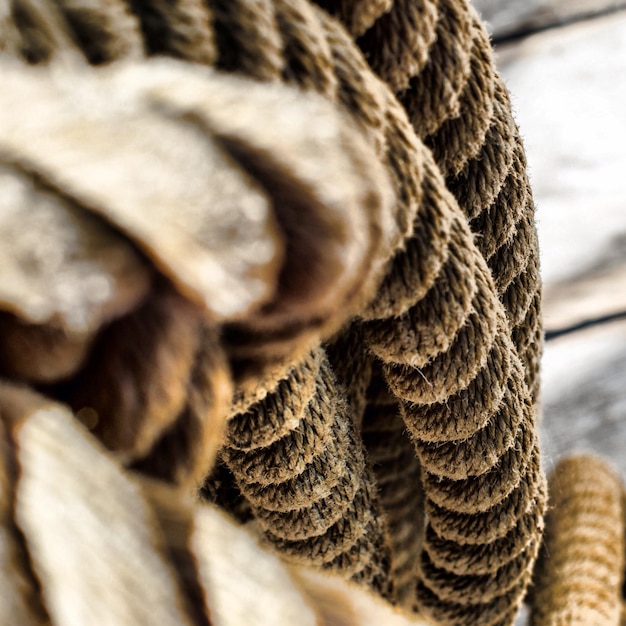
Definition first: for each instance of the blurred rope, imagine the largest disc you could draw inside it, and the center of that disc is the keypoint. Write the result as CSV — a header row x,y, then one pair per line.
x,y
410,225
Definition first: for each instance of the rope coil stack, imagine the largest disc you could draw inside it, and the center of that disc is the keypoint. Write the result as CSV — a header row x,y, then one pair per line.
x,y
368,371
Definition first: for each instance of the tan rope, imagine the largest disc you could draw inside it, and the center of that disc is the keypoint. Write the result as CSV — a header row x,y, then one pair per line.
x,y
140,376
361,97
451,371
459,106
114,547
297,460
105,32
580,573
352,365
454,393
463,113
397,472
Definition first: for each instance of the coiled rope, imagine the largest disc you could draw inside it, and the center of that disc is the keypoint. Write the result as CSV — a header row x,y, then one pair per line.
x,y
451,321
168,561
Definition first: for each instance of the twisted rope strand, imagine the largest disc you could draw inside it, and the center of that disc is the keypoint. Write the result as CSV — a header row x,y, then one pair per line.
x,y
397,472
308,486
105,32
579,576
459,106
466,484
478,177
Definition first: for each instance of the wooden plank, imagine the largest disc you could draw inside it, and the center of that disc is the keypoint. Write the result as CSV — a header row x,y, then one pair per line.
x,y
507,17
593,295
584,395
569,93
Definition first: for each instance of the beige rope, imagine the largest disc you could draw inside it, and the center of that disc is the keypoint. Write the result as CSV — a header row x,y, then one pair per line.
x,y
142,375
297,460
352,365
459,106
580,573
398,477
457,374
116,548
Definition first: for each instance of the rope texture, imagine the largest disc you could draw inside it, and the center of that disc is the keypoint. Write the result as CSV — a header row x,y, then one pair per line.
x,y
436,57
190,564
580,573
136,403
451,320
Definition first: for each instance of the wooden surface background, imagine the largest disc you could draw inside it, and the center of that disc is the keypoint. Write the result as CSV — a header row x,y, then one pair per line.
x,y
514,17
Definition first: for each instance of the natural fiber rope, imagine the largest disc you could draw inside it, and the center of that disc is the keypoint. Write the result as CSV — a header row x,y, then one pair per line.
x,y
457,104
579,575
363,108
352,365
394,463
189,565
436,56
397,472
457,391
463,354
297,460
120,355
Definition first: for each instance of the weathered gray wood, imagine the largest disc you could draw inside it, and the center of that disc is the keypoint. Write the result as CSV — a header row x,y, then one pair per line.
x,y
506,17
593,295
585,395
568,89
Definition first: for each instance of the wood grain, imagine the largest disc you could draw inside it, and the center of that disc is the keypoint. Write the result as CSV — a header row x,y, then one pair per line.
x,y
507,17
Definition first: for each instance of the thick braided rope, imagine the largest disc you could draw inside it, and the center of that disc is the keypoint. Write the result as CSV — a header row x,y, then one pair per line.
x,y
449,358
437,86
436,56
580,572
515,449
398,477
392,456
425,271
232,57
110,546
352,365
352,539
353,90
297,460
135,401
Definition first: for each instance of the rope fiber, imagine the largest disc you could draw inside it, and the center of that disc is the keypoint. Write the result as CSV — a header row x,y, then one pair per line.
x,y
323,312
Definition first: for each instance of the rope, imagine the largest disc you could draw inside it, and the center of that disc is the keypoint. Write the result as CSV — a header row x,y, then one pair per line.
x,y
398,477
459,106
579,576
443,319
190,565
436,56
352,366
134,401
455,395
297,460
